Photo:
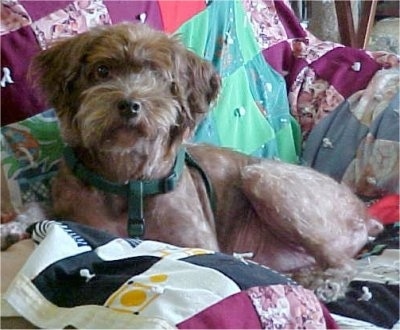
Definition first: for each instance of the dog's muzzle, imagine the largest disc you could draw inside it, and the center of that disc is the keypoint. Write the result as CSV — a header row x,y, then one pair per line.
x,y
129,108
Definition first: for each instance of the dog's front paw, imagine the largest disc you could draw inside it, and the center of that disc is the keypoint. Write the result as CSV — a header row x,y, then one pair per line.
x,y
328,285
15,230
330,290
11,233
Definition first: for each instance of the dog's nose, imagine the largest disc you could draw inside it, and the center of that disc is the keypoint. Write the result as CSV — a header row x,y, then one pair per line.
x,y
128,108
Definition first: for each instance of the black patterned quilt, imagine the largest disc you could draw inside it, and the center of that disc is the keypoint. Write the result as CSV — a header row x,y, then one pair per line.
x,y
86,278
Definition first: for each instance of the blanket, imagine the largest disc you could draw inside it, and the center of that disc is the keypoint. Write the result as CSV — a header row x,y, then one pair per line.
x,y
283,92
97,280
358,143
218,291
373,295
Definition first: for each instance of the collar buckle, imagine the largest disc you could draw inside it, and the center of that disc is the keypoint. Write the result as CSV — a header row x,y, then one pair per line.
x,y
136,227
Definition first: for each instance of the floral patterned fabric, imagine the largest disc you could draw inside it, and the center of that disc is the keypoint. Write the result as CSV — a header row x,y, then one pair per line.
x,y
286,307
360,139
30,153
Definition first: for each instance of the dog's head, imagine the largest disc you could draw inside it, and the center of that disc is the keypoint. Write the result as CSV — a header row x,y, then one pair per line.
x,y
126,86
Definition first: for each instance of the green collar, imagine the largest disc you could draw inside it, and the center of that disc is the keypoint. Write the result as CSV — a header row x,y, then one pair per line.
x,y
134,190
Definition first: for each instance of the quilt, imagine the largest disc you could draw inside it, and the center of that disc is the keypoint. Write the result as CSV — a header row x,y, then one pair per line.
x,y
358,143
97,280
285,94
373,295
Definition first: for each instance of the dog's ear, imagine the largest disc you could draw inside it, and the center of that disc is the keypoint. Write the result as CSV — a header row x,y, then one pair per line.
x,y
197,84
56,69
204,82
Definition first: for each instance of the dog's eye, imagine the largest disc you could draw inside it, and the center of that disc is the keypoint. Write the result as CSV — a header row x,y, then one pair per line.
x,y
174,88
102,71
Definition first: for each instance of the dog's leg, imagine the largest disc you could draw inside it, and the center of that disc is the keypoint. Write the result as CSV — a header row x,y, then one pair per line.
x,y
310,211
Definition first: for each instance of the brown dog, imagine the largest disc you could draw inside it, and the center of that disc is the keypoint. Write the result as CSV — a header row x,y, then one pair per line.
x,y
127,97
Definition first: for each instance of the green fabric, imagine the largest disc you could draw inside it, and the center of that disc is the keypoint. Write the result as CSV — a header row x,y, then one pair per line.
x,y
252,112
32,144
247,43
286,142
192,36
240,123
30,154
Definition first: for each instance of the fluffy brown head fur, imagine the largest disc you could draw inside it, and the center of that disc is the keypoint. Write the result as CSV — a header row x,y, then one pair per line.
x,y
105,82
